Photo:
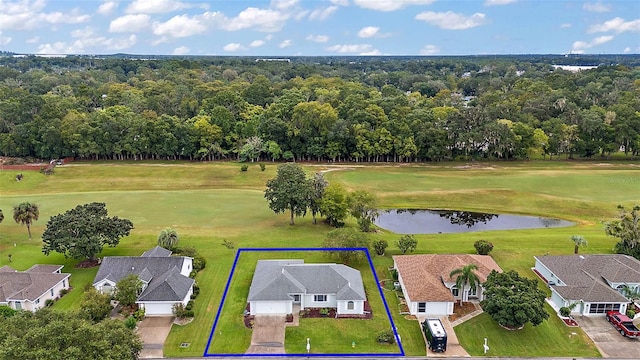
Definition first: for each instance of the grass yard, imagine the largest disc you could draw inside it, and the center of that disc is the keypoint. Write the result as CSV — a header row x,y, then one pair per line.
x,y
232,337
208,203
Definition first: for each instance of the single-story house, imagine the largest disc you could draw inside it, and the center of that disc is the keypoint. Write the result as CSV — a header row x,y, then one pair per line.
x,y
165,279
427,287
592,284
30,289
279,284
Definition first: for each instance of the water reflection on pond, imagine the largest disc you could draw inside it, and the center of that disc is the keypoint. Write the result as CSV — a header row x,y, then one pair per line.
x,y
419,221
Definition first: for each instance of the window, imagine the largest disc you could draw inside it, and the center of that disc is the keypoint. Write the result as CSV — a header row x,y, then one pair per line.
x,y
64,283
350,305
320,298
454,291
603,308
37,301
422,307
51,292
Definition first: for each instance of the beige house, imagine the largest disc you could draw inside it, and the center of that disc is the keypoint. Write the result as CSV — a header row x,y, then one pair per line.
x,y
30,289
427,286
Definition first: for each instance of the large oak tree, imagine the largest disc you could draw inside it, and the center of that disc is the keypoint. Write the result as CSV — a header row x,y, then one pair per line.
x,y
82,232
289,190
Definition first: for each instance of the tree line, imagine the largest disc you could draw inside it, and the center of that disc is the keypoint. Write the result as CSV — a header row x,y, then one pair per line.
x,y
375,110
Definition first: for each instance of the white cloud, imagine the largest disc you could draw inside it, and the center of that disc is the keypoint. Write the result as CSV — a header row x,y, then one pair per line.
x,y
368,31
181,26
340,2
33,40
565,26
155,6
181,50
596,7
360,49
390,5
429,50
579,47
4,40
318,38
29,15
130,23
321,14
107,7
263,20
283,4
233,47
627,50
86,41
285,44
498,2
452,21
257,43
617,25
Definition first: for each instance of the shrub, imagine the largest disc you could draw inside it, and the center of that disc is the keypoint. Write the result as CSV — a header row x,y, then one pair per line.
x,y
483,247
386,336
263,167
131,322
324,311
394,274
199,263
63,292
244,167
631,313
139,314
379,246
6,312
181,312
189,305
565,311
49,302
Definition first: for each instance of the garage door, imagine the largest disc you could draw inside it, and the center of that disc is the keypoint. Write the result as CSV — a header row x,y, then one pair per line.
x,y
270,307
158,309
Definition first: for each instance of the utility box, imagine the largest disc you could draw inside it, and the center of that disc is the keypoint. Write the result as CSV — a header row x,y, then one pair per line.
x,y
435,334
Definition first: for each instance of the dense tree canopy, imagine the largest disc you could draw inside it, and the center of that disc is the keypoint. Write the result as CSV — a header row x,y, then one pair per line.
x,y
83,231
326,109
347,239
512,300
53,335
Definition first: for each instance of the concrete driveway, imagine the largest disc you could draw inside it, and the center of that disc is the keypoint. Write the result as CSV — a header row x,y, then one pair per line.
x,y
454,349
153,331
268,335
608,340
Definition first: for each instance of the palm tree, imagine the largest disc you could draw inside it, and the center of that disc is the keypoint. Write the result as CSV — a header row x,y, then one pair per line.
x,y
168,238
578,241
26,213
465,275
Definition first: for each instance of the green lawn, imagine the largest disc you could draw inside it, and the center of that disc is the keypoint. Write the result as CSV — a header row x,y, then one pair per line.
x,y
211,202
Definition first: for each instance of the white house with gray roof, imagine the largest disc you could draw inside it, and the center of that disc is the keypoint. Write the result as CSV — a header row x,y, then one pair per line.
x,y
165,279
279,284
593,283
30,289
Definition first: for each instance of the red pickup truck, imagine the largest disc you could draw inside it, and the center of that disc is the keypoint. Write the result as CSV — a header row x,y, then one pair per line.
x,y
623,323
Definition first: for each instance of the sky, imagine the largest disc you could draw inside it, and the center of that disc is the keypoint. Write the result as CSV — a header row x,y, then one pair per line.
x,y
320,27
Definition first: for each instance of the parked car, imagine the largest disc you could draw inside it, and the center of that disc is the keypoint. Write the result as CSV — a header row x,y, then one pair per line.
x,y
623,323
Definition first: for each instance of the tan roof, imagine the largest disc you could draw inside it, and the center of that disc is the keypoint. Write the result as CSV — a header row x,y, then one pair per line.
x,y
40,268
18,285
424,275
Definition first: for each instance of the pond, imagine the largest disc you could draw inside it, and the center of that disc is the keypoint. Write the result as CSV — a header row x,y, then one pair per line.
x,y
420,221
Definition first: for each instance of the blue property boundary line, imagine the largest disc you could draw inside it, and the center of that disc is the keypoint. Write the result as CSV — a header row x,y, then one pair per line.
x,y
375,277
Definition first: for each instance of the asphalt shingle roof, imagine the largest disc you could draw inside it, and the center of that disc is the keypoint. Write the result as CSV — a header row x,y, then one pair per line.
x,y
424,275
275,279
587,277
162,276
28,285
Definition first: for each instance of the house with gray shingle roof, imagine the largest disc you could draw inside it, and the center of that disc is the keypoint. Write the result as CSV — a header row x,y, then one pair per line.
x,y
165,278
30,289
427,287
594,283
279,284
